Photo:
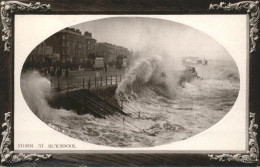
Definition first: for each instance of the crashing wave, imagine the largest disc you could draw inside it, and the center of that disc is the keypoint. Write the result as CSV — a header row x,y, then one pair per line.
x,y
147,72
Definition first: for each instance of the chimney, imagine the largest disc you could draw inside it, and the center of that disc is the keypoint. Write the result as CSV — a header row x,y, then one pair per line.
x,y
87,34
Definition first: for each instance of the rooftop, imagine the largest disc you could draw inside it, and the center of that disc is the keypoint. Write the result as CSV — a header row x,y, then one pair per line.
x,y
75,32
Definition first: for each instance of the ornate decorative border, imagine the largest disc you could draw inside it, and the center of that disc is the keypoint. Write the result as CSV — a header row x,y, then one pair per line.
x,y
252,8
252,155
10,7
7,10
8,156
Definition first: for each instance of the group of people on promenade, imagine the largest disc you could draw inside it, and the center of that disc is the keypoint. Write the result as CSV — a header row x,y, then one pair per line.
x,y
54,71
51,70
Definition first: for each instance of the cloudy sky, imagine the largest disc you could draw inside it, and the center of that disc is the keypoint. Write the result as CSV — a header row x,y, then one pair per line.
x,y
142,34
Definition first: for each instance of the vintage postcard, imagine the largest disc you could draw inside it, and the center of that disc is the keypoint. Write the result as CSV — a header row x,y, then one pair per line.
x,y
130,83
124,82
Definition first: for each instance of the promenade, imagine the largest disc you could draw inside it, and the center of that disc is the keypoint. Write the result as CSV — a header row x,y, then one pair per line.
x,y
85,79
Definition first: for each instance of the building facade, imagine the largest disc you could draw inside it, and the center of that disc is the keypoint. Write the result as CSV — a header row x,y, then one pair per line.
x,y
110,52
40,56
70,46
66,47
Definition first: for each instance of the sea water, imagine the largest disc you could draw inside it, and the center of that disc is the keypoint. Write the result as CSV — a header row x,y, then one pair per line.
x,y
160,109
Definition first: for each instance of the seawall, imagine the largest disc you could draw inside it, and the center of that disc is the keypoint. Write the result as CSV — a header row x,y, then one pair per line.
x,y
62,100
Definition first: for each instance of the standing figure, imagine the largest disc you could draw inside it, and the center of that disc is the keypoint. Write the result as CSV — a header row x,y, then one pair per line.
x,y
58,72
66,73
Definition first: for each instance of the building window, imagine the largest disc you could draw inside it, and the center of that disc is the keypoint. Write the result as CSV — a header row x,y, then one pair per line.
x,y
63,37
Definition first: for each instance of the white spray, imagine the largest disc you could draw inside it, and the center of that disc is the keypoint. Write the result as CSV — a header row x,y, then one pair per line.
x,y
150,65
36,89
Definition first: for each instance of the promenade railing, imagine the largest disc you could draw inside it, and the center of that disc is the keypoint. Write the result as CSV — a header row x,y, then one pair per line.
x,y
62,83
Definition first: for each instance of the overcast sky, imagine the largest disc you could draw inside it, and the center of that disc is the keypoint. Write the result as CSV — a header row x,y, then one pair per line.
x,y
141,34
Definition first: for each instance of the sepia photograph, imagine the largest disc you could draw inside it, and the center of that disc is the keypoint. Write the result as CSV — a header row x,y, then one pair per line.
x,y
130,82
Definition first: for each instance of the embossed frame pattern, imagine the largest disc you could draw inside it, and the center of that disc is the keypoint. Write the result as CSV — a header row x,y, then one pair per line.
x,y
11,7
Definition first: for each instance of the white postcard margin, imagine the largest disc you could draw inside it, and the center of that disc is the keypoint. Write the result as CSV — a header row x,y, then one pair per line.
x,y
228,135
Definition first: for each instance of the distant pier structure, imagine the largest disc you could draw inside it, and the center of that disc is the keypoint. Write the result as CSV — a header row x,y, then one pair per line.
x,y
195,60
